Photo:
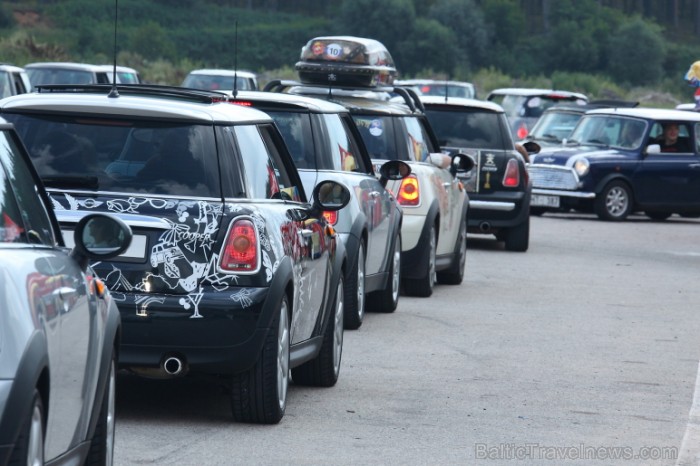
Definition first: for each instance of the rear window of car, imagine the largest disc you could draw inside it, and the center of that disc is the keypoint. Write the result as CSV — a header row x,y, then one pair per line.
x,y
528,106
470,129
555,125
41,76
213,82
121,155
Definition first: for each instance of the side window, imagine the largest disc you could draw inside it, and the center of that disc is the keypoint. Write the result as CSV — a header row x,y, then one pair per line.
x,y
296,131
345,153
31,213
417,140
378,135
697,137
288,189
260,175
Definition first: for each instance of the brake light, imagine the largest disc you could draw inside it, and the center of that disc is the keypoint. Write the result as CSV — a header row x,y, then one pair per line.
x,y
522,131
511,179
331,217
409,192
242,103
240,253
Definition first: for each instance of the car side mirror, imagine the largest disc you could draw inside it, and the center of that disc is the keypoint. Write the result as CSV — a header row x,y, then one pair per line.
x,y
393,170
653,149
532,147
100,237
330,195
461,162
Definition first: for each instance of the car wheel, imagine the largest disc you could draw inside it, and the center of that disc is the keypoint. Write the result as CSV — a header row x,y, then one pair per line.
x,y
387,300
355,292
614,202
102,444
518,238
455,274
658,215
29,449
259,395
323,370
423,287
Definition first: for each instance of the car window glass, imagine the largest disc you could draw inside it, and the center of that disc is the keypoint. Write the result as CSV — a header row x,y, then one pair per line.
x,y
470,129
343,155
418,146
5,84
697,137
33,211
378,135
260,174
12,229
354,146
288,189
39,76
555,125
512,104
296,131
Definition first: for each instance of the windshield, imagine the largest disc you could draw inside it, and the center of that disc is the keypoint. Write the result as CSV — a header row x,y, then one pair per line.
x,y
129,156
610,131
451,90
477,130
555,126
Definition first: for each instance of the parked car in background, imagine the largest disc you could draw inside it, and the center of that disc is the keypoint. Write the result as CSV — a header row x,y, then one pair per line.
x,y
617,162
434,203
42,73
59,326
217,79
691,107
13,80
524,106
498,186
557,122
231,271
326,145
438,87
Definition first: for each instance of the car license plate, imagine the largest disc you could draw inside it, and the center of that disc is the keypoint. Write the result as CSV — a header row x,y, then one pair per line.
x,y
136,250
540,200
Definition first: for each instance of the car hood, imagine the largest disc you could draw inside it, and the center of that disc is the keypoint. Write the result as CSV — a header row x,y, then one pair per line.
x,y
568,156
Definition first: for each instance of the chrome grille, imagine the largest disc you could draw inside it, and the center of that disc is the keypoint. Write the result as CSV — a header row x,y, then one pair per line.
x,y
553,177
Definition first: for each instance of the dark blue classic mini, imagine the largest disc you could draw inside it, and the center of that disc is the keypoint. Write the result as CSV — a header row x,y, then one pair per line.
x,y
620,161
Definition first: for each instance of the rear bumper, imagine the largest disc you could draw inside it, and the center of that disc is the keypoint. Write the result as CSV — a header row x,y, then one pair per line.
x,y
503,209
223,333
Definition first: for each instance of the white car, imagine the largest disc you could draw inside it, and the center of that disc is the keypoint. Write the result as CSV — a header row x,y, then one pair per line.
x,y
220,80
13,81
42,73
433,200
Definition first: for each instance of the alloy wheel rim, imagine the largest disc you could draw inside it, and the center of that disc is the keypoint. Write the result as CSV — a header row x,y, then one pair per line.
x,y
111,404
35,448
396,273
338,328
432,271
616,201
282,356
361,282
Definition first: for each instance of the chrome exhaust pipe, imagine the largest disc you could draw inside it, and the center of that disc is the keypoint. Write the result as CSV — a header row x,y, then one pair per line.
x,y
484,226
173,365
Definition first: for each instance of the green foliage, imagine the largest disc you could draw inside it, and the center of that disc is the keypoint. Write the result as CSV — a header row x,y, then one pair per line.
x,y
6,19
637,52
467,23
419,52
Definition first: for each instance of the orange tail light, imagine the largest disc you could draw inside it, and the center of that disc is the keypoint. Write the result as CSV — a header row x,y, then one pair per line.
x,y
409,192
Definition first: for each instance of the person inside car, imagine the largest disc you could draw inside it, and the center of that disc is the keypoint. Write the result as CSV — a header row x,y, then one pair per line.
x,y
669,140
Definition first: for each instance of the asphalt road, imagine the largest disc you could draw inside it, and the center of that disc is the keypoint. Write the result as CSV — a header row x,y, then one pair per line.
x,y
582,351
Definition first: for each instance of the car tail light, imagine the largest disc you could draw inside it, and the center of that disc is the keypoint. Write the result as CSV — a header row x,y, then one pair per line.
x,y
522,131
241,252
331,217
409,192
242,103
511,178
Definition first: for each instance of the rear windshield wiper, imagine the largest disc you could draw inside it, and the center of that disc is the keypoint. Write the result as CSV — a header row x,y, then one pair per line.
x,y
71,181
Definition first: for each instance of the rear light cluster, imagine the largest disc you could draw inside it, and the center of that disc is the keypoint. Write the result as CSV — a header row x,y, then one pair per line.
x,y
511,178
241,251
522,131
409,192
330,216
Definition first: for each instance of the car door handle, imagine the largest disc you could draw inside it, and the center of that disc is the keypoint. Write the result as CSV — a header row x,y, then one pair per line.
x,y
374,194
447,185
65,292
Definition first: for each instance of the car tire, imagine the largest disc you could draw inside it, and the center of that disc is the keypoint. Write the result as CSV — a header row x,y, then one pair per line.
x,y
29,448
658,216
259,395
455,274
387,300
614,202
518,238
355,292
102,444
423,287
323,370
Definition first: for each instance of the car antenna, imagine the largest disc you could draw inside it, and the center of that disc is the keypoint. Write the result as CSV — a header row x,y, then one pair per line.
x,y
331,79
114,92
235,62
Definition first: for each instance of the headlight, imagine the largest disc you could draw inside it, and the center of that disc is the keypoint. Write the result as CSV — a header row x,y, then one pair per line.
x,y
581,166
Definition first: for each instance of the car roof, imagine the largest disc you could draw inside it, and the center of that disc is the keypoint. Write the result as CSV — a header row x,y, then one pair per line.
x,y
527,92
573,107
355,100
309,103
66,65
461,102
8,67
126,104
403,82
224,72
649,113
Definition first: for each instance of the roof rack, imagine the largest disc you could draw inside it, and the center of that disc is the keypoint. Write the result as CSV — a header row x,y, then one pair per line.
x,y
409,96
152,90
